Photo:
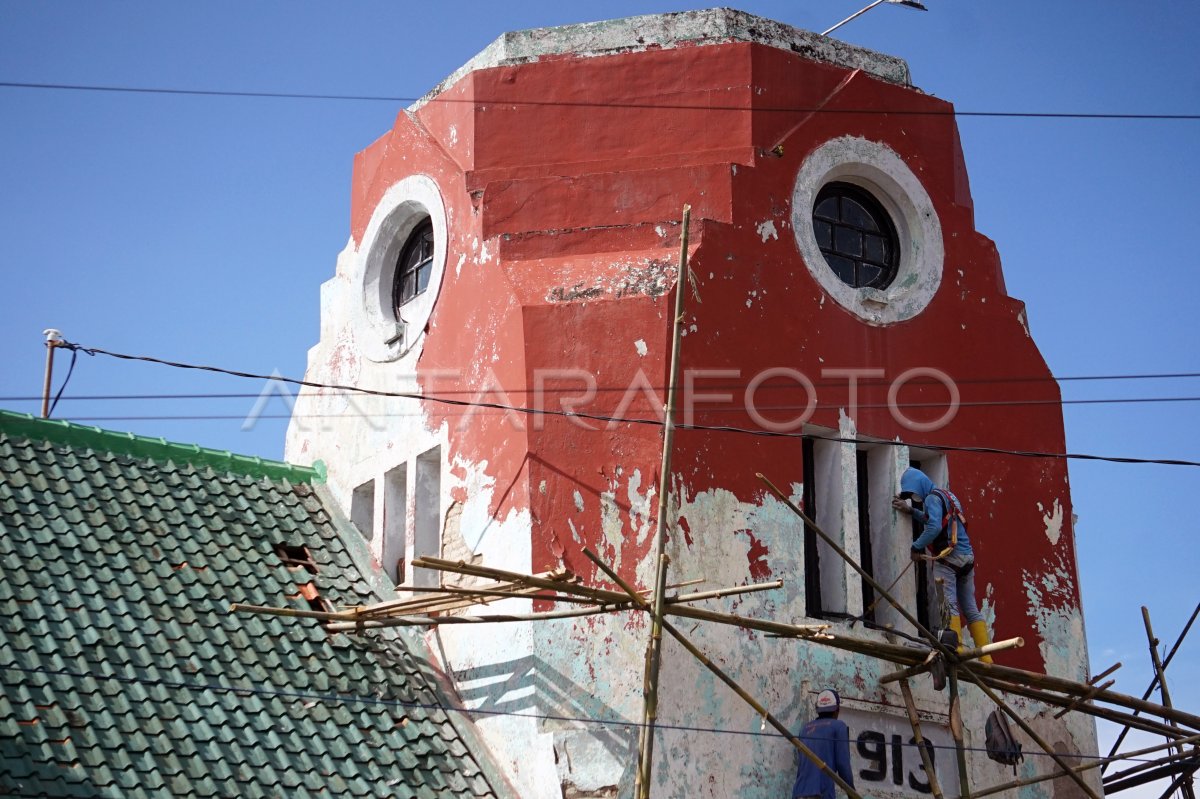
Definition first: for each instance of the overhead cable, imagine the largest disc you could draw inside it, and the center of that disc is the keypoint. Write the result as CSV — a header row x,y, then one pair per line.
x,y
508,102
631,420
346,697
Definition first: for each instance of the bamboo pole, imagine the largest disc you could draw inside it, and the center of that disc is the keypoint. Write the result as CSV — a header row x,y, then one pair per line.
x,y
1073,688
294,613
987,649
1175,784
1037,739
733,685
912,671
861,571
723,592
654,646
607,596
915,721
434,621
1186,785
1087,697
1108,714
1008,786
1173,758
456,600
969,654
650,691
900,654
413,607
1084,698
599,594
960,752
1154,681
1183,769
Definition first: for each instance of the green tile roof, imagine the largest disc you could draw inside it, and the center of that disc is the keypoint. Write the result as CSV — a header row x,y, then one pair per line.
x,y
125,675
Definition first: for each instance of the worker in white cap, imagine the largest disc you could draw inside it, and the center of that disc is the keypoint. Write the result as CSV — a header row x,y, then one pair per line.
x,y
829,739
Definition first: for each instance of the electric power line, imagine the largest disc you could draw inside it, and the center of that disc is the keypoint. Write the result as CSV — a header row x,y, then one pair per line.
x,y
185,417
506,102
863,384
628,420
345,698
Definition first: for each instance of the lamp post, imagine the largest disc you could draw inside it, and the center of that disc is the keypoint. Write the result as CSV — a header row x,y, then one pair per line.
x,y
860,12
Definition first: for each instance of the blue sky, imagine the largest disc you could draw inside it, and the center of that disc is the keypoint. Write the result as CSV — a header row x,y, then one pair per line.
x,y
199,229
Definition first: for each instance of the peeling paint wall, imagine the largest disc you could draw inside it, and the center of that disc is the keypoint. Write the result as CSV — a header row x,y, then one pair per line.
x,y
560,265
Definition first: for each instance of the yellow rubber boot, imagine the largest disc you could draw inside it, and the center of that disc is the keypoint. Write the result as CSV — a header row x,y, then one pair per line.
x,y
956,625
980,634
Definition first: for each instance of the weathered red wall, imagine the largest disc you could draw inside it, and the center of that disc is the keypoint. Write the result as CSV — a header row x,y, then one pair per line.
x,y
566,166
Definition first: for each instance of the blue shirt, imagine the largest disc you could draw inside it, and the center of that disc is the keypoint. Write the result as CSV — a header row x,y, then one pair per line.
x,y
830,740
918,483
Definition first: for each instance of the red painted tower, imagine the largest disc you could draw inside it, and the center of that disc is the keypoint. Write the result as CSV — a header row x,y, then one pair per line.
x,y
514,241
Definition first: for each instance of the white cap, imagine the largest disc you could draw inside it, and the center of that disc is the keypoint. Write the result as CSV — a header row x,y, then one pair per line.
x,y
828,701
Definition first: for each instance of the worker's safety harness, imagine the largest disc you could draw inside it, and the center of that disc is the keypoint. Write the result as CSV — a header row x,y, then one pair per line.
x,y
947,538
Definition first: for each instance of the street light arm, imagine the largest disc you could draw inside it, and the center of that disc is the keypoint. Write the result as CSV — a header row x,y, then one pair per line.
x,y
910,3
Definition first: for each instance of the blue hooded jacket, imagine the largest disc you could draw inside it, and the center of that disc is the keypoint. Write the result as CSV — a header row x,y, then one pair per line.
x,y
830,740
930,516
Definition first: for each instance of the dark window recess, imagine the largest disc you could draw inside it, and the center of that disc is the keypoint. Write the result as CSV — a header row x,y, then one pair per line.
x,y
864,536
414,266
296,557
921,570
812,562
856,236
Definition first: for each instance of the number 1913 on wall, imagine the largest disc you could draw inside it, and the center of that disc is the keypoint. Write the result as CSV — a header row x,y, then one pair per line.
x,y
885,758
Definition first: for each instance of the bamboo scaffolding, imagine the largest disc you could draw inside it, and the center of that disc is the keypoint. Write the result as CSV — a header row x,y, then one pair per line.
x,y
1184,770
1108,714
1033,736
912,671
989,678
1084,698
1173,760
1154,681
1176,783
1088,696
499,618
988,649
911,707
863,573
729,681
510,590
1186,785
1065,686
1008,786
960,752
907,655
650,690
967,654
455,600
673,608
654,645
295,613
724,592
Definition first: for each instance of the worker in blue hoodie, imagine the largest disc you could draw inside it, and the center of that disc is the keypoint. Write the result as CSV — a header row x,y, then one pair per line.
x,y
829,739
945,533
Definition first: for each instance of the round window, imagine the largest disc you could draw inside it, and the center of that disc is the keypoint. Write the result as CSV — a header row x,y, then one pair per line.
x,y
856,236
413,267
401,261
867,231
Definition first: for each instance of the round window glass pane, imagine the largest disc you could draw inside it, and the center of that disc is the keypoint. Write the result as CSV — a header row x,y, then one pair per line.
x,y
856,236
